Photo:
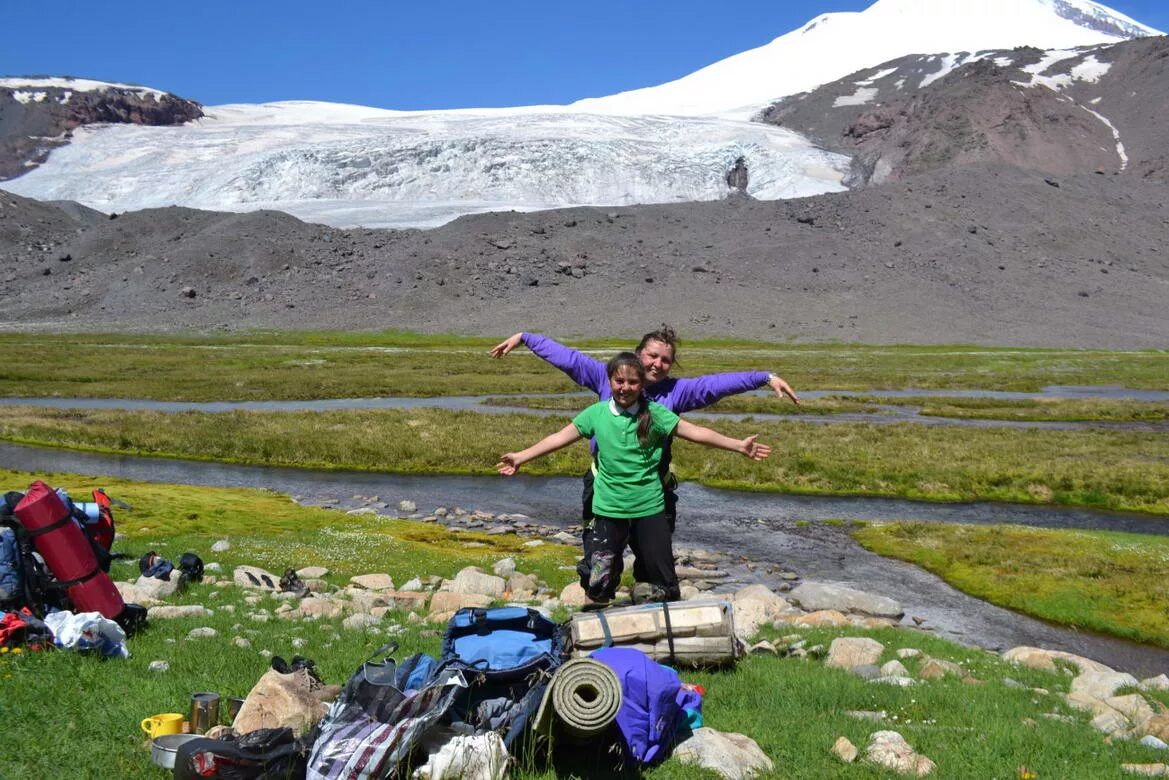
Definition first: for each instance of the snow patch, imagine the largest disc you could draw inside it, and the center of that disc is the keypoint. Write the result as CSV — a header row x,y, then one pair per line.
x,y
77,85
29,97
948,64
1088,70
1120,152
863,96
875,77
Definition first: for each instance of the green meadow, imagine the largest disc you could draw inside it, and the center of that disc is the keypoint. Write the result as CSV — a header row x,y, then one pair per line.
x,y
1099,581
68,715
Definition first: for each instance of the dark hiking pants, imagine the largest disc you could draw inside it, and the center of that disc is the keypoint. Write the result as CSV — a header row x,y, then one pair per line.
x,y
601,568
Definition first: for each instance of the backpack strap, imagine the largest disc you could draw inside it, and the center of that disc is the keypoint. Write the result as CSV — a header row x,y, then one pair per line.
x,y
604,621
669,630
53,526
383,653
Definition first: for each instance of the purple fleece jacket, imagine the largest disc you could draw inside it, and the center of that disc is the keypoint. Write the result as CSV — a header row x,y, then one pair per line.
x,y
677,395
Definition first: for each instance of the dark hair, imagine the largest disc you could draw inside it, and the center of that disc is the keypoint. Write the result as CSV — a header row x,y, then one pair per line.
x,y
664,334
633,361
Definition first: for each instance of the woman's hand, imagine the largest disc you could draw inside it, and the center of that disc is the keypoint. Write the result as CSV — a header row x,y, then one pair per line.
x,y
753,449
509,464
782,389
504,347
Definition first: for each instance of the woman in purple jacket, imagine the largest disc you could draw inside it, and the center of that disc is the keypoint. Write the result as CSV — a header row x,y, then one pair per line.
x,y
658,352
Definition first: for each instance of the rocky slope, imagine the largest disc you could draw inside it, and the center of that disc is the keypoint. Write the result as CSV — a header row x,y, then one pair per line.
x,y
1091,109
980,254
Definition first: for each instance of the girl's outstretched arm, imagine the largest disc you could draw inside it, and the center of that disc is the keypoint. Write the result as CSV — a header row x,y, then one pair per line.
x,y
510,462
748,446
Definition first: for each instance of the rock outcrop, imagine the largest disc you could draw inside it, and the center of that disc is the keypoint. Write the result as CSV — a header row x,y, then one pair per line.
x,y
38,115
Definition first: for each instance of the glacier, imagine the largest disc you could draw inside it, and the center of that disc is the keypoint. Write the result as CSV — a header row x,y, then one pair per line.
x,y
352,166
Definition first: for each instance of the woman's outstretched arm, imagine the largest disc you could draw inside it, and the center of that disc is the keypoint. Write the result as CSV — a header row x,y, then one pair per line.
x,y
510,462
582,369
711,438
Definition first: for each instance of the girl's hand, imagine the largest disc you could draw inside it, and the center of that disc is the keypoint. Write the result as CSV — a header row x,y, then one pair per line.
x,y
753,449
508,464
502,348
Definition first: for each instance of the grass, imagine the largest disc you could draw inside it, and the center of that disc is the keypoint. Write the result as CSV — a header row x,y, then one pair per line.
x,y
1119,470
295,365
1040,410
1101,581
66,714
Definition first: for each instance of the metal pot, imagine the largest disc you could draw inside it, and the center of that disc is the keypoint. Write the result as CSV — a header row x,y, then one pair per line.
x,y
164,749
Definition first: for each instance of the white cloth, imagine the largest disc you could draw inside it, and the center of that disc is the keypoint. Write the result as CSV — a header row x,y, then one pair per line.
x,y
88,631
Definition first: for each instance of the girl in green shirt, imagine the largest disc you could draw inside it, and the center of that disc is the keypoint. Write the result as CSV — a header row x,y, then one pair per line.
x,y
629,502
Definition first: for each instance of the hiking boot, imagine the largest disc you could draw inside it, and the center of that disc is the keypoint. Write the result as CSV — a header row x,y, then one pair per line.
x,y
647,593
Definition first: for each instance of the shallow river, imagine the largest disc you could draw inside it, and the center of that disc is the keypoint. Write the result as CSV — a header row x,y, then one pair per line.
x,y
887,414
768,528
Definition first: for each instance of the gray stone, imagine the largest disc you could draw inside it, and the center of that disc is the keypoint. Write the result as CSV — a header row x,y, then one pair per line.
x,y
504,567
894,669
181,611
159,666
1102,685
1038,658
312,572
221,546
414,584
361,621
206,632
407,506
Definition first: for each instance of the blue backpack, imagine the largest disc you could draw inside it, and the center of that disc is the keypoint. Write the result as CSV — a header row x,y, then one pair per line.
x,y
507,655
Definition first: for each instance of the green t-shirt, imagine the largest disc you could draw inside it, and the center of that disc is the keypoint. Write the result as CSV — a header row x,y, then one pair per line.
x,y
627,482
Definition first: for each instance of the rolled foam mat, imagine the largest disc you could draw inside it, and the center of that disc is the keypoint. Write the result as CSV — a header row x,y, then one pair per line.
x,y
585,696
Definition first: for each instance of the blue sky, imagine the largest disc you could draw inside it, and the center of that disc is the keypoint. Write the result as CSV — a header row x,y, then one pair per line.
x,y
404,55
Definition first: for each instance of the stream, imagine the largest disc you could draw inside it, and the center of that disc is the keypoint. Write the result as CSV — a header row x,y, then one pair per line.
x,y
781,530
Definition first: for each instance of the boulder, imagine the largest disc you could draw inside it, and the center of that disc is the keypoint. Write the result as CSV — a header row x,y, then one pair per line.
x,y
373,581
157,589
296,701
733,756
755,606
936,669
255,578
182,611
474,580
444,604
504,567
312,572
1102,685
573,595
824,618
1038,658
890,750
815,596
848,652
845,750
313,607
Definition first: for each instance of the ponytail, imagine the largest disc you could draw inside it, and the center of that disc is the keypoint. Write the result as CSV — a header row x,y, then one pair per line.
x,y
643,422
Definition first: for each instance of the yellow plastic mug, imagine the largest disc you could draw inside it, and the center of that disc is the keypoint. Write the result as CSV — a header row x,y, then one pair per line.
x,y
164,723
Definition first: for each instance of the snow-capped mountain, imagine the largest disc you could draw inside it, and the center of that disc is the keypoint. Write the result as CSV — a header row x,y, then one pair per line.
x,y
348,165
832,46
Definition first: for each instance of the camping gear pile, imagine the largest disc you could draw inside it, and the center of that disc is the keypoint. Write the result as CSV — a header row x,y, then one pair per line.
x,y
505,685
54,563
